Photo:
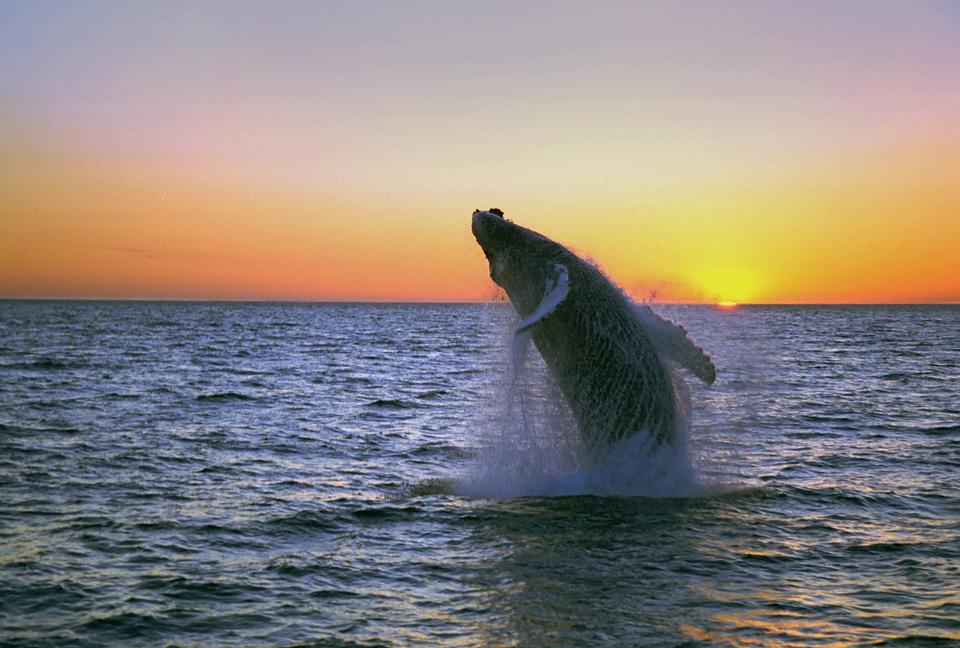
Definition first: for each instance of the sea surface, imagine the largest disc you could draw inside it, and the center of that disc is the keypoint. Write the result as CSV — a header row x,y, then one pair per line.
x,y
314,474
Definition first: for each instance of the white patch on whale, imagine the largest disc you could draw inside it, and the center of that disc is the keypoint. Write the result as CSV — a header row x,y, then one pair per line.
x,y
556,291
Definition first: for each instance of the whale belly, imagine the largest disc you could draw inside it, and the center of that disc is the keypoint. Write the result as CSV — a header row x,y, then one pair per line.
x,y
609,373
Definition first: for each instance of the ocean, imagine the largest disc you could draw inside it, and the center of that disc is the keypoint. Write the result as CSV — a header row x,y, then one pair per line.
x,y
179,474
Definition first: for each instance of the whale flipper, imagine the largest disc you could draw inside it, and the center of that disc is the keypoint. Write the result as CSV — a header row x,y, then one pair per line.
x,y
555,292
673,344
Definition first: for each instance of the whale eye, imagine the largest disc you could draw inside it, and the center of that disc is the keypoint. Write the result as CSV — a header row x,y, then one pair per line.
x,y
498,212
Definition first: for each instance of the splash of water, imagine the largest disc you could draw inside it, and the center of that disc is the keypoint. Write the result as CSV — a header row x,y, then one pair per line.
x,y
531,444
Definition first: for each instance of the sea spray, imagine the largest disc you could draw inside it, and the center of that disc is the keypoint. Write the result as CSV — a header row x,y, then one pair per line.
x,y
530,443
527,434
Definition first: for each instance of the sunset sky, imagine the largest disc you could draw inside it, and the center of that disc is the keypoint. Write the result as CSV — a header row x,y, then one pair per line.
x,y
747,151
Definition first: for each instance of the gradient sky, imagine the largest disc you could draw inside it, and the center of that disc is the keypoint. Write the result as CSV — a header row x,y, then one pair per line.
x,y
752,151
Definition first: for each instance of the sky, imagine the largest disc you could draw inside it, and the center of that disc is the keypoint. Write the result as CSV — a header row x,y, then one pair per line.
x,y
762,152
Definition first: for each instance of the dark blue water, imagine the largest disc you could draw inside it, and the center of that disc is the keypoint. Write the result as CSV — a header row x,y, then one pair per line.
x,y
270,474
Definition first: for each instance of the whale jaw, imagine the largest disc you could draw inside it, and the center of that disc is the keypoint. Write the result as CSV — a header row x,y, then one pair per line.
x,y
521,261
490,229
497,238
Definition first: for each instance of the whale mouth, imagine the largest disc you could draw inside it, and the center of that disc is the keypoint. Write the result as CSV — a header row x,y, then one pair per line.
x,y
492,232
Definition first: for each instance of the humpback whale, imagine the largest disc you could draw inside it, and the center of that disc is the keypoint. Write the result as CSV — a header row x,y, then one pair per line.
x,y
608,357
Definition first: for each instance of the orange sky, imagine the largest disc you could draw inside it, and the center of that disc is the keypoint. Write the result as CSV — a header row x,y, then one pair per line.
x,y
752,153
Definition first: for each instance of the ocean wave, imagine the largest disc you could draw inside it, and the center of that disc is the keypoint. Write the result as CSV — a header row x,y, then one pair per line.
x,y
304,521
391,403
222,397
180,587
118,396
333,593
124,625
385,513
941,430
439,449
22,430
896,376
883,547
432,394
45,364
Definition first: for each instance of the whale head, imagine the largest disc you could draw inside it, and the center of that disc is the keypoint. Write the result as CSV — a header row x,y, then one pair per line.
x,y
522,262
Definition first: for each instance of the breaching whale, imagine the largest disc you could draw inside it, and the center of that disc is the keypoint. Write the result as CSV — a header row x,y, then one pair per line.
x,y
606,355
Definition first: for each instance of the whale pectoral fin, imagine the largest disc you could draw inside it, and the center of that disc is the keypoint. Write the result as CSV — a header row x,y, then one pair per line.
x,y
671,342
555,292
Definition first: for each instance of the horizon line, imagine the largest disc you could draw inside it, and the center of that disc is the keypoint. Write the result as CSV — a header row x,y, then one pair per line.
x,y
445,301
